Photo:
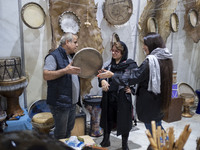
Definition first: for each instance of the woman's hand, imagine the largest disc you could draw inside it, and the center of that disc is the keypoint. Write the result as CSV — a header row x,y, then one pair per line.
x,y
127,89
105,85
104,74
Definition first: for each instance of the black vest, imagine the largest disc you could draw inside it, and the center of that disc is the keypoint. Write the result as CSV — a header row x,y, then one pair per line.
x,y
59,91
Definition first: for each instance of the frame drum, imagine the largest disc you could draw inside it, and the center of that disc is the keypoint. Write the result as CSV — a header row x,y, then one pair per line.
x,y
174,22
152,25
33,15
89,60
117,12
69,22
193,17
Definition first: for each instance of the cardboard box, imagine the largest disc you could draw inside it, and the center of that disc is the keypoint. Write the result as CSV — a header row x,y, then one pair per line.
x,y
175,110
80,125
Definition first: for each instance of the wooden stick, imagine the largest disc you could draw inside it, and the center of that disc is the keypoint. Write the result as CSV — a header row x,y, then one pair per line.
x,y
187,132
171,138
158,137
151,140
163,139
153,126
167,139
183,137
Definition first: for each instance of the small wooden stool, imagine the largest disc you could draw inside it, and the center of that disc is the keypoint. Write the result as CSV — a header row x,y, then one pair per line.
x,y
43,122
188,101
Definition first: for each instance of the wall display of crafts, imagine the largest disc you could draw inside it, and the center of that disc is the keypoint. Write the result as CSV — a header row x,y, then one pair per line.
x,y
117,12
191,19
156,17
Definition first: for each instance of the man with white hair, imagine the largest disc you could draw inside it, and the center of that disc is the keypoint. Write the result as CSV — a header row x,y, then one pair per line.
x,y
63,92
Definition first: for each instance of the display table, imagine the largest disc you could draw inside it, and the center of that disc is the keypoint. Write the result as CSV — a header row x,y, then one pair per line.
x,y
24,123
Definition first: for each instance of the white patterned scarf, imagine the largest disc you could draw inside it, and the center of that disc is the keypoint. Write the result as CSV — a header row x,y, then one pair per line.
x,y
154,68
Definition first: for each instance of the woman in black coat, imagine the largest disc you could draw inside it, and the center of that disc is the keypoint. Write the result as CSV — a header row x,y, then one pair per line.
x,y
116,101
154,79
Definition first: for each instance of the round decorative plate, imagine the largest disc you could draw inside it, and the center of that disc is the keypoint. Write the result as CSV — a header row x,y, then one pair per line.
x,y
174,22
33,15
152,24
117,12
69,22
193,17
89,60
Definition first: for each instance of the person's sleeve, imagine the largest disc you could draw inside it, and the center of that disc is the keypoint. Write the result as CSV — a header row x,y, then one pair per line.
x,y
50,63
132,76
99,80
139,74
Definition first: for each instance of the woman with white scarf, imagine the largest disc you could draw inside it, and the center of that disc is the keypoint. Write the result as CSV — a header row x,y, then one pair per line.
x,y
154,79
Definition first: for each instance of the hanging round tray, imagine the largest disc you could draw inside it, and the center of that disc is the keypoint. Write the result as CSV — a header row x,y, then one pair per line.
x,y
69,22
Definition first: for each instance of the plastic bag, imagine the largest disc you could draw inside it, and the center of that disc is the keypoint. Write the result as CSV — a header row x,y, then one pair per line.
x,y
75,143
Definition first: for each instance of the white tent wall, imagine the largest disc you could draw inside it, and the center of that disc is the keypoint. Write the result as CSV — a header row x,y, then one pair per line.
x,y
33,44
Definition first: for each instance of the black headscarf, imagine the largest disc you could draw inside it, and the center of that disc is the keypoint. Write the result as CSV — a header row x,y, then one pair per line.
x,y
124,63
121,66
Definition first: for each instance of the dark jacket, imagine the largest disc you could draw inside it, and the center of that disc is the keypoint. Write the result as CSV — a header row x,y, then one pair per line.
x,y
59,92
148,105
124,101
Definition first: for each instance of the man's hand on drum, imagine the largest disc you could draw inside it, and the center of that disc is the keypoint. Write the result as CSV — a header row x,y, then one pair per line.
x,y
105,85
103,73
72,69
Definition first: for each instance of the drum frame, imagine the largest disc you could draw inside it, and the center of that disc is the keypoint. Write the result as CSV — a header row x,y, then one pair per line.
x,y
149,24
177,22
22,13
76,57
197,16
